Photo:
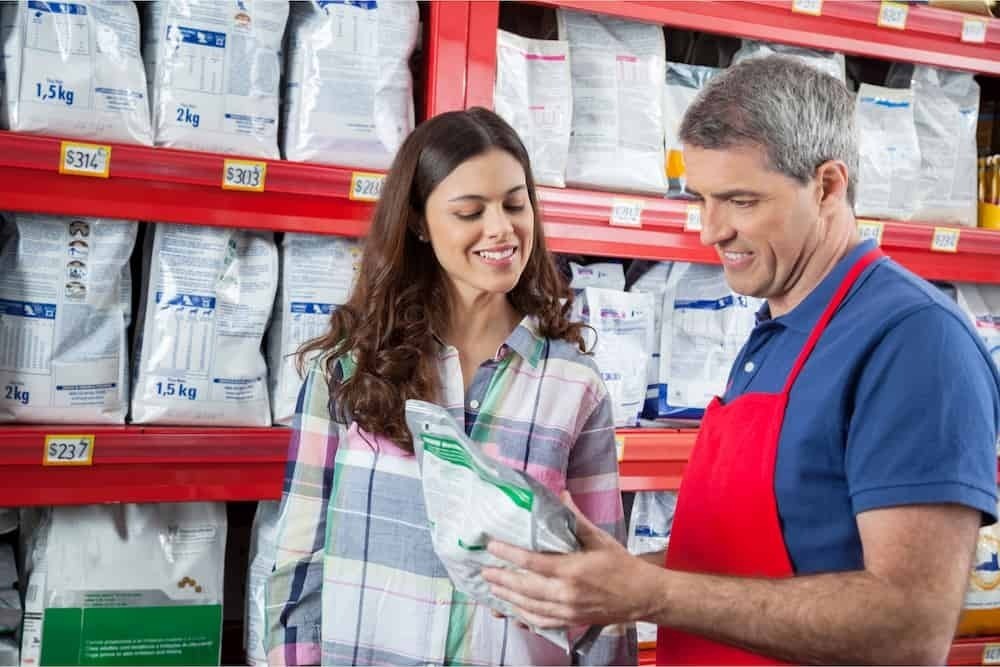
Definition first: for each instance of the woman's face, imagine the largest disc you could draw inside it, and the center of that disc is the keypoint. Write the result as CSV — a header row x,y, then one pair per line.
x,y
481,224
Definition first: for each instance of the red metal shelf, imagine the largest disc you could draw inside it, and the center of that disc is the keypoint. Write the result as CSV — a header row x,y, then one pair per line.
x,y
654,459
932,36
964,651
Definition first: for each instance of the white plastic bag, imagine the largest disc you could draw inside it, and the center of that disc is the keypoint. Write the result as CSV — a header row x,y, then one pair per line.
x,y
981,303
652,281
705,324
214,73
682,85
607,275
317,275
263,551
534,93
889,174
825,61
207,299
349,91
65,306
131,584
618,72
623,322
74,70
946,113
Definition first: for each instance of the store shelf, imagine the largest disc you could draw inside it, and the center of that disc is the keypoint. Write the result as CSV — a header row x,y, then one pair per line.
x,y
964,651
931,36
653,459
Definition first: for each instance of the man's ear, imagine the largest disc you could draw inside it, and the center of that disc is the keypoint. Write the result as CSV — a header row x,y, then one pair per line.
x,y
832,179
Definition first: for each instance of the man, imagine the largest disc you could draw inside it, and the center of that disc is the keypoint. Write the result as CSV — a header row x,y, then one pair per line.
x,y
830,508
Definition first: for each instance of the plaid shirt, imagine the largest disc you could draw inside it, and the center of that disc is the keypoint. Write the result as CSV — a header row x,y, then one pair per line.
x,y
356,579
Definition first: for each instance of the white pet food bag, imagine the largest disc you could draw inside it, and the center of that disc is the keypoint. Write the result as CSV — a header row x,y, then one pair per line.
x,y
215,69
829,62
73,69
618,72
682,84
207,300
652,281
705,324
349,91
607,275
317,275
981,302
534,93
65,306
889,173
623,322
946,113
263,551
131,584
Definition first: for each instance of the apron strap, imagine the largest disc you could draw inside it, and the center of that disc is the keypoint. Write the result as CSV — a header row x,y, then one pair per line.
x,y
846,284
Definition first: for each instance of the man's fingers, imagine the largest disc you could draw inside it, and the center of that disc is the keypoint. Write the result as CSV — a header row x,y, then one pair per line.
x,y
523,582
589,535
528,560
538,614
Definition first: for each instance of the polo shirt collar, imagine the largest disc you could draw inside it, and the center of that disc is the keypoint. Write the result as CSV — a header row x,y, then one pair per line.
x,y
804,316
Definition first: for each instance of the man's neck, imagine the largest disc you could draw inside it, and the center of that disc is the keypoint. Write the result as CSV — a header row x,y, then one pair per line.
x,y
835,241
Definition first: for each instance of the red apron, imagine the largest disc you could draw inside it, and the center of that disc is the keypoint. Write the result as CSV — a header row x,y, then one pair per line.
x,y
727,514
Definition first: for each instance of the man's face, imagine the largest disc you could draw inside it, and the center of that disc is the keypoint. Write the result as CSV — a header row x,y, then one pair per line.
x,y
763,224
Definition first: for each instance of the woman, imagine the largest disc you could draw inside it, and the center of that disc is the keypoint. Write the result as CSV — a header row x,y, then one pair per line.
x,y
457,301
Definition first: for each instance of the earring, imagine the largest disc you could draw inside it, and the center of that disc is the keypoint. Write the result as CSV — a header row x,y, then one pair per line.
x,y
423,239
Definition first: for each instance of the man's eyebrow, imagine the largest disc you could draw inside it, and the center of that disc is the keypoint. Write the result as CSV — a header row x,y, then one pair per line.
x,y
734,193
514,189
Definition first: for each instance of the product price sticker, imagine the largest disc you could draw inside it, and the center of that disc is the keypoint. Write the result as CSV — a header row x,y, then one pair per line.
x,y
974,31
620,447
871,229
247,175
692,218
83,159
626,212
366,186
893,15
945,239
811,7
68,450
991,654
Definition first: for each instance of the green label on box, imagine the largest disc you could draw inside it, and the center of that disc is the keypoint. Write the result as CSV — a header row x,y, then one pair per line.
x,y
175,635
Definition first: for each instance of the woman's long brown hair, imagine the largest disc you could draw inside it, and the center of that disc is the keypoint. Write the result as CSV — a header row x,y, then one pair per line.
x,y
399,303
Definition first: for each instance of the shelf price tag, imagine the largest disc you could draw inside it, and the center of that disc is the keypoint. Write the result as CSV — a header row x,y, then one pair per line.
x,y
692,220
85,159
620,447
945,239
811,7
991,654
366,186
626,212
974,31
246,175
893,15
870,229
68,450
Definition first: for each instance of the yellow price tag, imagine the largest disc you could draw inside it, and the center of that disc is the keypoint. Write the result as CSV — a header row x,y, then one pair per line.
x,y
247,175
991,654
85,159
68,450
366,186
974,31
871,229
945,239
893,15
811,7
626,212
620,447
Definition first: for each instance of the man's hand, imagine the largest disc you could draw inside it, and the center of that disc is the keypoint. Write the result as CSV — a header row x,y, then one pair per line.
x,y
601,585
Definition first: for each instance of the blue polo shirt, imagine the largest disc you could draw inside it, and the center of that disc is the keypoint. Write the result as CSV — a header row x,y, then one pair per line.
x,y
898,404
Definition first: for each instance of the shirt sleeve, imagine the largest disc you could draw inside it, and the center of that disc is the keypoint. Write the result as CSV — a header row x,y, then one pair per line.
x,y
925,418
592,480
293,592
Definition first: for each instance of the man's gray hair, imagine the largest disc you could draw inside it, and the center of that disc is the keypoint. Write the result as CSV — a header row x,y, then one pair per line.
x,y
800,116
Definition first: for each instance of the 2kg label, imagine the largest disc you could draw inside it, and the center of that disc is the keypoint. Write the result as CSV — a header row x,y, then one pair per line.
x,y
16,393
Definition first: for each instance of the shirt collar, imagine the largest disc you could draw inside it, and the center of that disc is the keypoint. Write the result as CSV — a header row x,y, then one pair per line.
x,y
525,340
804,316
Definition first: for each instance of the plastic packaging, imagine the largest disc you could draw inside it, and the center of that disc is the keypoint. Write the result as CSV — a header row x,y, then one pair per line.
x,y
618,73
349,91
889,173
207,300
534,93
607,275
317,275
825,61
73,69
65,306
214,71
263,551
652,279
705,324
682,85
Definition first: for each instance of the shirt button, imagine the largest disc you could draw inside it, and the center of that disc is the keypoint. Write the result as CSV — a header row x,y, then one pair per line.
x,y
474,404
749,367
